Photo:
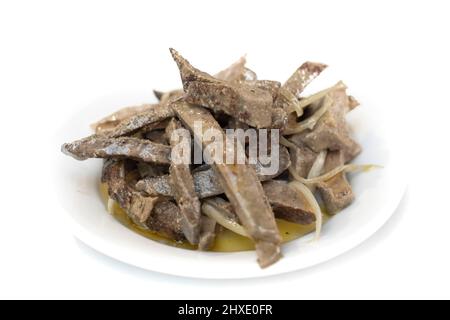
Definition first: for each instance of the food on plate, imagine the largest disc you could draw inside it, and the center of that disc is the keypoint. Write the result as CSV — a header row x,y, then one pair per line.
x,y
157,181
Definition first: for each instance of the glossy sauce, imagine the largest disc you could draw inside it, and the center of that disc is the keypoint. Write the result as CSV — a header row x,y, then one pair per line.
x,y
226,240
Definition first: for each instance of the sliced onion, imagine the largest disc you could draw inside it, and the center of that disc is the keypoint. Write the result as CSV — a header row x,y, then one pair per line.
x,y
285,142
300,187
215,214
319,95
334,172
110,206
311,122
294,103
318,164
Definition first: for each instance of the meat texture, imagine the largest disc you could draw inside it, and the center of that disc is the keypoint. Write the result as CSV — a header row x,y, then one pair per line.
x,y
302,157
102,147
166,220
246,102
207,233
287,203
158,112
332,131
110,122
182,185
336,192
137,206
242,187
206,183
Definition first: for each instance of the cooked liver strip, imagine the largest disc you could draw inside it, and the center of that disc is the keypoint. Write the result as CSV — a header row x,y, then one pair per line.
x,y
290,91
336,192
243,189
206,183
302,158
182,185
97,146
287,203
110,122
246,102
157,113
235,72
166,220
136,205
306,73
331,131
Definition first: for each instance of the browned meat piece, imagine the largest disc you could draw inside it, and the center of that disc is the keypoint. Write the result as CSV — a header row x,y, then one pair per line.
x,y
251,106
201,167
183,185
331,131
283,164
159,125
157,136
236,124
206,183
166,220
133,148
336,192
267,85
235,72
137,206
352,151
158,94
287,203
170,96
247,103
302,157
109,123
352,103
159,185
207,233
279,118
157,113
243,189
303,76
289,94
151,170
106,171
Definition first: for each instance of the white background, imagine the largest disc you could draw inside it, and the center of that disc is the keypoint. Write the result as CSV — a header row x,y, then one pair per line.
x,y
58,56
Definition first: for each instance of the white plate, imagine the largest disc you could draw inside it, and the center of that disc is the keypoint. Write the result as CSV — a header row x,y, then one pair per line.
x,y
377,195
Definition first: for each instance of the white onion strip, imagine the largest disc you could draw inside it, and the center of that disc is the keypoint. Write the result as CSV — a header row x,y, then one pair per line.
x,y
110,206
318,164
215,214
319,95
317,167
285,142
300,187
294,105
311,122
334,172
